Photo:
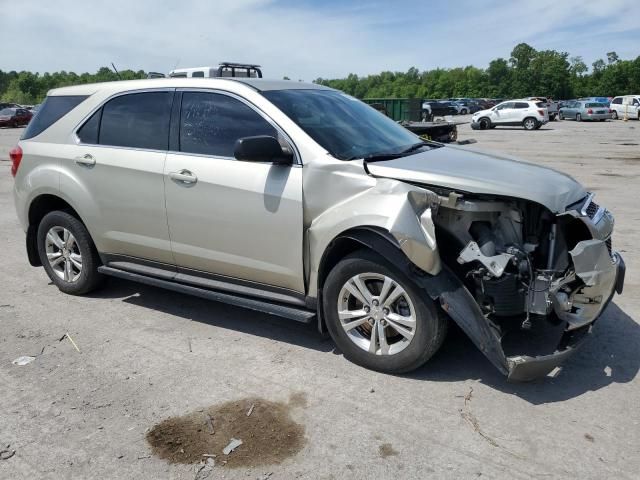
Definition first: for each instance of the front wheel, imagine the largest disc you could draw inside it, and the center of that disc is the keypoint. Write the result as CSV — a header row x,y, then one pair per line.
x,y
484,123
378,317
530,123
560,117
614,115
578,117
68,254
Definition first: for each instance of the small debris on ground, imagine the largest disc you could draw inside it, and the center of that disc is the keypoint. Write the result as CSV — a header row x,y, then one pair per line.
x,y
589,437
265,476
210,424
386,450
66,335
372,390
233,444
142,457
6,453
24,360
251,409
205,469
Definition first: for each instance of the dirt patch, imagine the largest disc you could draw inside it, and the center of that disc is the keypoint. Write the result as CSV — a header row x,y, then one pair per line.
x,y
268,434
387,450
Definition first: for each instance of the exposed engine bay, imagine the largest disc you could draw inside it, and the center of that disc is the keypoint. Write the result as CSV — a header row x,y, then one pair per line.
x,y
525,265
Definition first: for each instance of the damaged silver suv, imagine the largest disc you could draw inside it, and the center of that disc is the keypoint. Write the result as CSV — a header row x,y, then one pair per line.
x,y
300,201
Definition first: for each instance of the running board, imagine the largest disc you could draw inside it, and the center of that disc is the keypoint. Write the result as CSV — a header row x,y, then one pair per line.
x,y
292,313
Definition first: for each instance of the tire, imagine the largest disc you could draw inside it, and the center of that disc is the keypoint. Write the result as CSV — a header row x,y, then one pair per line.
x,y
560,117
484,123
614,115
423,334
578,117
463,111
75,269
530,123
493,126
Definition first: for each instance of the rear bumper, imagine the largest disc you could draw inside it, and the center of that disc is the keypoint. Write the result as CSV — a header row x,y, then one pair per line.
x,y
597,116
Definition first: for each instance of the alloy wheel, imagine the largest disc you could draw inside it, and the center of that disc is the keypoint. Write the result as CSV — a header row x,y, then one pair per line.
x,y
63,254
377,314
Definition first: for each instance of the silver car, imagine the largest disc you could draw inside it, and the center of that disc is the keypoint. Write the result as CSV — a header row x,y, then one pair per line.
x,y
301,201
580,110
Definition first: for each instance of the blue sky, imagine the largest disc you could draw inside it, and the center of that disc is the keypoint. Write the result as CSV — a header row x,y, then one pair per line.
x,y
306,39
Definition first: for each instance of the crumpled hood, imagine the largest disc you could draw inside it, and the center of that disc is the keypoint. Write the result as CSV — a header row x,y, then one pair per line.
x,y
477,172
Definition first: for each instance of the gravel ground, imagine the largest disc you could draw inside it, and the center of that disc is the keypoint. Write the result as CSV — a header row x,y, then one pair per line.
x,y
147,355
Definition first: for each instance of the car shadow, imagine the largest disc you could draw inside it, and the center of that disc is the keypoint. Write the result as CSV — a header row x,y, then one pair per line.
x,y
609,356
217,314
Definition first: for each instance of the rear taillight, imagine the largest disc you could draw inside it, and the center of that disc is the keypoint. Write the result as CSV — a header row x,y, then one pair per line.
x,y
541,112
16,157
590,111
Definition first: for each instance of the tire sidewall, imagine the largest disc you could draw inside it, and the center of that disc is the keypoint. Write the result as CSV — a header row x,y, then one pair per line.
x,y
89,272
426,333
526,121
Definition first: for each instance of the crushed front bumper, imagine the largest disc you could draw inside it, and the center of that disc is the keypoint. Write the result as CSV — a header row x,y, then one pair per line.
x,y
525,368
456,300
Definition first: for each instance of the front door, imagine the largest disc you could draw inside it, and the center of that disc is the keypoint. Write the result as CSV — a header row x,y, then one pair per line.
x,y
241,220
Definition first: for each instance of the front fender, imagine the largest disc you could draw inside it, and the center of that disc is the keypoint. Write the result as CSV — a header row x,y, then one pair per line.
x,y
398,208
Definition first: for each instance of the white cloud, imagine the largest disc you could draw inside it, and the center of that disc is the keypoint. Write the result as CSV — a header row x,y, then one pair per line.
x,y
303,40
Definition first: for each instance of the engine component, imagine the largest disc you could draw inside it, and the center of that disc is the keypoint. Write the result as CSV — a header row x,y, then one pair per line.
x,y
539,301
495,264
506,295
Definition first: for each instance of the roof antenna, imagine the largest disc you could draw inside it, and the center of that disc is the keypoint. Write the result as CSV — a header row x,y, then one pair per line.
x,y
116,70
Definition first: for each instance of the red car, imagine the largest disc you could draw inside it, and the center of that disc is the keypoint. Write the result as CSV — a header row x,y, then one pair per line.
x,y
14,117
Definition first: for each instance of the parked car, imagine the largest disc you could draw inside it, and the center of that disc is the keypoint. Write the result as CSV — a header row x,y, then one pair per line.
x,y
625,106
579,110
605,100
14,117
454,107
197,186
526,113
437,109
9,105
467,106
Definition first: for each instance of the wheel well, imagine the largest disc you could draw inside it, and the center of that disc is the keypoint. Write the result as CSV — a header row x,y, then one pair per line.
x,y
363,238
39,207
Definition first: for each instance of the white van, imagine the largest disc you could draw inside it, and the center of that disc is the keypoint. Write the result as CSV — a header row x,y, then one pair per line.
x,y
625,105
225,69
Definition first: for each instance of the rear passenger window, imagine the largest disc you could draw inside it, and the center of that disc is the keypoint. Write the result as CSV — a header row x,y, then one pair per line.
x,y
197,74
522,105
52,109
210,123
137,120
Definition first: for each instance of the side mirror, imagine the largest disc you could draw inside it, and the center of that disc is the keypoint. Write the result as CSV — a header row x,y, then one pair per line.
x,y
262,148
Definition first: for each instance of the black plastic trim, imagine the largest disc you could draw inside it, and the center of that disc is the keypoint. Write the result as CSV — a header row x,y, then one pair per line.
x,y
290,312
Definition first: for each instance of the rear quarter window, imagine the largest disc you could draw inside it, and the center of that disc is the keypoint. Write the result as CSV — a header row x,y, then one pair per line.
x,y
52,109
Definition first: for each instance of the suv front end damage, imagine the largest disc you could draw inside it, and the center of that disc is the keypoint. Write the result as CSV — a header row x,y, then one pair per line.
x,y
538,280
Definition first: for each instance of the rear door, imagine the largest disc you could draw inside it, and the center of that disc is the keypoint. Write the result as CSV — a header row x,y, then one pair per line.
x,y
119,162
241,220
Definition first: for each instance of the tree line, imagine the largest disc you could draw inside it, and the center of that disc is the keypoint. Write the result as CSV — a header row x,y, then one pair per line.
x,y
27,88
527,72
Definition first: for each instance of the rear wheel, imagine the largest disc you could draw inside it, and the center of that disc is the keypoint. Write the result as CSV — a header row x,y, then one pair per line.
x,y
578,117
560,117
68,254
378,317
530,123
614,115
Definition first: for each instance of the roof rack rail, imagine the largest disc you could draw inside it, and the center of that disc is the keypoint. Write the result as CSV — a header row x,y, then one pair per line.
x,y
232,66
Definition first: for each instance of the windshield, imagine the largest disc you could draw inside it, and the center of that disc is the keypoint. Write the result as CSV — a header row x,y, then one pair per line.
x,y
346,127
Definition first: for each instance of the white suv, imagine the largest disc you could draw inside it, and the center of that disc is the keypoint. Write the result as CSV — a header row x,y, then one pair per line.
x,y
625,105
527,113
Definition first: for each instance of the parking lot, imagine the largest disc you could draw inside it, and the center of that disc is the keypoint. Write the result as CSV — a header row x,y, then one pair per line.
x,y
141,355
